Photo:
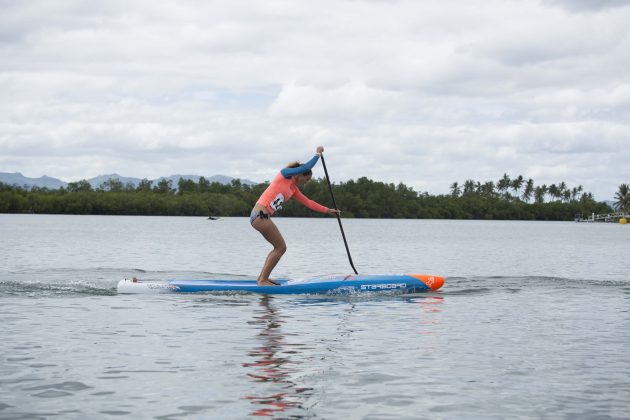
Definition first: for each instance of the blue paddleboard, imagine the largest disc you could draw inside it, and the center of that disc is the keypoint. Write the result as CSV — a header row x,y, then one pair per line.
x,y
405,283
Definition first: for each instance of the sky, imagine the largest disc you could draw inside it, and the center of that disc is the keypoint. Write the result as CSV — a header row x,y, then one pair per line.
x,y
421,92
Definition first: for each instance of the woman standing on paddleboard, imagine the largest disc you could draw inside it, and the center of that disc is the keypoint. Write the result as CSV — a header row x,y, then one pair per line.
x,y
283,187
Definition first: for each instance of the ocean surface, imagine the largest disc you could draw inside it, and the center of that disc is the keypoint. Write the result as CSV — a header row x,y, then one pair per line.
x,y
532,322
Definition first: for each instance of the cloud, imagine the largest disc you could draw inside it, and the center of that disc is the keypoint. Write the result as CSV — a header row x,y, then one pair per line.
x,y
348,101
426,93
587,5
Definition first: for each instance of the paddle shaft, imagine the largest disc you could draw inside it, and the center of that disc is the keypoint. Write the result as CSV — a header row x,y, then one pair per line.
x,y
338,217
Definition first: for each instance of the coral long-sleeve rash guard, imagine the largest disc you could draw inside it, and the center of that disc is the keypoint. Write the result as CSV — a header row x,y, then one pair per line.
x,y
283,187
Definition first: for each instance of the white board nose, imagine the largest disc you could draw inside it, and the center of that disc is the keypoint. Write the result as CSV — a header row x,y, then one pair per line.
x,y
135,286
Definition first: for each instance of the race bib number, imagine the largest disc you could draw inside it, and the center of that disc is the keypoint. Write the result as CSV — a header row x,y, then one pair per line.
x,y
277,203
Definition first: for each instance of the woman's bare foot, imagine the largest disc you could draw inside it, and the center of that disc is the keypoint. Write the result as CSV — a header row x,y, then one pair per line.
x,y
267,282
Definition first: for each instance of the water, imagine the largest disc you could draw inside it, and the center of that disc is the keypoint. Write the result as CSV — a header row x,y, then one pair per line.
x,y
532,322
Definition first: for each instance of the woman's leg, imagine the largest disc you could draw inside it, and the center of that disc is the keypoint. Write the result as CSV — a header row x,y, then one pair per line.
x,y
271,233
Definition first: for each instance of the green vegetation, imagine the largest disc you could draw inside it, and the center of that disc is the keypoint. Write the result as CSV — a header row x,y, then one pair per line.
x,y
622,198
508,199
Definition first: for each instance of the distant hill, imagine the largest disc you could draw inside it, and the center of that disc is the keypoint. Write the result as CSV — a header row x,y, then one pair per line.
x,y
97,181
221,179
17,179
610,203
22,181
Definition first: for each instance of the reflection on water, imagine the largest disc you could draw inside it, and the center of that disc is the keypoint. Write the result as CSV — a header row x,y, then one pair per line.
x,y
431,303
279,365
429,322
275,362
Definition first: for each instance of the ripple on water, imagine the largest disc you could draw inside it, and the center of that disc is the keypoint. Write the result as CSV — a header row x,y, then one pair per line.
x,y
51,393
63,386
363,379
19,359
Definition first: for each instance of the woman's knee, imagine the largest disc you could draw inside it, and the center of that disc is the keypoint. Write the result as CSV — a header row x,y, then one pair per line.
x,y
281,248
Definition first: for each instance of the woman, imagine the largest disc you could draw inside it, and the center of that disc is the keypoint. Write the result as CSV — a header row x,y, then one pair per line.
x,y
284,186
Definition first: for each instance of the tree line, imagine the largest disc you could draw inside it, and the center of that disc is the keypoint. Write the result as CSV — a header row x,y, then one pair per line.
x,y
507,199
520,189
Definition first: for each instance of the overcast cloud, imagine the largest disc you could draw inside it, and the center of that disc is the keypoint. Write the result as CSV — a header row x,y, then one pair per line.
x,y
423,92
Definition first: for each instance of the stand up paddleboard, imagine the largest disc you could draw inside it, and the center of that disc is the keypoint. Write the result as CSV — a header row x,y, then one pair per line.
x,y
406,283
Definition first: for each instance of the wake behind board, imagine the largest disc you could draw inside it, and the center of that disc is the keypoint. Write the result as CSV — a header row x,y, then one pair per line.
x,y
405,283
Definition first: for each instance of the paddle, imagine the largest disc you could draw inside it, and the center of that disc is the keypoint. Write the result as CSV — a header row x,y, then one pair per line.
x,y
338,217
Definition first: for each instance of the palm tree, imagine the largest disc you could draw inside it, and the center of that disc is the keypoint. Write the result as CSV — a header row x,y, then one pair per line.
x,y
455,190
566,195
623,198
517,184
487,189
539,193
503,185
562,190
553,191
575,192
587,198
529,189
469,187
478,188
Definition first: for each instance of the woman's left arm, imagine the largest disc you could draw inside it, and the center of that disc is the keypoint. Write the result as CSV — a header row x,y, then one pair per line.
x,y
289,172
310,203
